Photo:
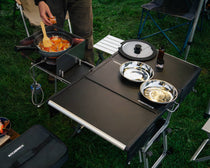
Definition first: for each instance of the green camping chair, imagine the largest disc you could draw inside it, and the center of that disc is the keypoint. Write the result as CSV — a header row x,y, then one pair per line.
x,y
188,10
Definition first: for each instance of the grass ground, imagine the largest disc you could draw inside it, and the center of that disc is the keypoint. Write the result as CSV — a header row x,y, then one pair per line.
x,y
120,19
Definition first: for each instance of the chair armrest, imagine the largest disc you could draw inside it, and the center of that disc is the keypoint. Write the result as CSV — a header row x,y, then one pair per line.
x,y
18,2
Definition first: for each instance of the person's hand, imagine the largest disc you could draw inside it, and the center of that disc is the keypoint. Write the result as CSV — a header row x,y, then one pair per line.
x,y
45,13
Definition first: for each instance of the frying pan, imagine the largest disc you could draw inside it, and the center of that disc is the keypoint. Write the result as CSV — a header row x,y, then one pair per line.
x,y
39,38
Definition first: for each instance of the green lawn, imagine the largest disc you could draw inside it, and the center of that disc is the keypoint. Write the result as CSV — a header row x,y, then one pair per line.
x,y
87,150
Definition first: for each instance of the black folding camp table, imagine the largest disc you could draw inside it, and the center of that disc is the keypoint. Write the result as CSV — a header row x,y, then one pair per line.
x,y
110,106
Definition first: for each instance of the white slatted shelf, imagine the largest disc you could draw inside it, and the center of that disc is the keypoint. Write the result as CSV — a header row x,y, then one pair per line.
x,y
108,44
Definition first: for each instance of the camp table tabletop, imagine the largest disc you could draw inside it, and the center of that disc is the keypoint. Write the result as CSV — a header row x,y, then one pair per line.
x,y
107,104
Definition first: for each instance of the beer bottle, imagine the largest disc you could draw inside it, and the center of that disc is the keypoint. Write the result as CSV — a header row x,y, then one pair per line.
x,y
160,60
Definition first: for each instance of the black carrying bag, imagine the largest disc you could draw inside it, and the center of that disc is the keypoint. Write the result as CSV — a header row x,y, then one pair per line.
x,y
35,148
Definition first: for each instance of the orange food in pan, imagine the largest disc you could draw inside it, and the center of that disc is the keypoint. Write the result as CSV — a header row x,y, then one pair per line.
x,y
58,44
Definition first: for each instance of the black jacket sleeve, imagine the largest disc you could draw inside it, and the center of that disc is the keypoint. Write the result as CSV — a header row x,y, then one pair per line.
x,y
37,1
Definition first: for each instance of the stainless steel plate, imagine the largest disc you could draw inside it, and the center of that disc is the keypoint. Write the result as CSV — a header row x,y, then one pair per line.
x,y
136,71
158,91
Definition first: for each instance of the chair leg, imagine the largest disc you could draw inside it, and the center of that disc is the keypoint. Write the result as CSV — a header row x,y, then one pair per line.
x,y
163,32
190,29
141,25
194,27
187,36
24,22
101,58
198,151
160,30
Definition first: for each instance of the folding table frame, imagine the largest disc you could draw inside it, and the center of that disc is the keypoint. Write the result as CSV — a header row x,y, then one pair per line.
x,y
133,126
162,131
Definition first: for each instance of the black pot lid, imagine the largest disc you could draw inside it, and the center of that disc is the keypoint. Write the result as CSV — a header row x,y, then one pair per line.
x,y
137,50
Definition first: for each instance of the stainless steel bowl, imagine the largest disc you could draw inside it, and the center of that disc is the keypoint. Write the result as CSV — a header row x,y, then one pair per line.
x,y
136,71
159,91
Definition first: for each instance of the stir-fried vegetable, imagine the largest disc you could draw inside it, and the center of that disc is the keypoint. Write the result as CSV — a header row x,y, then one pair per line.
x,y
58,44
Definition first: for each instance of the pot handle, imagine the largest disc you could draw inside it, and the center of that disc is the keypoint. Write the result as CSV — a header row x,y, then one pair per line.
x,y
174,108
21,48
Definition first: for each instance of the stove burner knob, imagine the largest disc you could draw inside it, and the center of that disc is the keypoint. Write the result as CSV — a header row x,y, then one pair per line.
x,y
137,48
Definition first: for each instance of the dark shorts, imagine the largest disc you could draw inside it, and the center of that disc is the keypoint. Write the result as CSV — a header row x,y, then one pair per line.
x,y
81,17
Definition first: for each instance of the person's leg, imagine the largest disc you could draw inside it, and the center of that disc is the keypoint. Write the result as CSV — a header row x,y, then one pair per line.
x,y
81,17
58,9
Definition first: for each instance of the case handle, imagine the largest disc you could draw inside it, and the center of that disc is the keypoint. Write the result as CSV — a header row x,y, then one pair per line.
x,y
31,153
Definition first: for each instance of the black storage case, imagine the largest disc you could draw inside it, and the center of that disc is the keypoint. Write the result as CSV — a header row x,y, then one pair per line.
x,y
35,148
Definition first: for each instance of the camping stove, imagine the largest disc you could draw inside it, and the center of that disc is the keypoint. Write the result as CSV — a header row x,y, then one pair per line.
x,y
61,63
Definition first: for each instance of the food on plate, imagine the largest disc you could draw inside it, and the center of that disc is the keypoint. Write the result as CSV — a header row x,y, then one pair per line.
x,y
3,125
58,44
157,94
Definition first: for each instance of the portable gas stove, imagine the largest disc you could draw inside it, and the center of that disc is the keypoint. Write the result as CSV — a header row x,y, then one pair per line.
x,y
61,61
67,66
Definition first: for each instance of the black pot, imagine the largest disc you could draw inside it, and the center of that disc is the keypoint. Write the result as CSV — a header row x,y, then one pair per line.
x,y
34,46
137,50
